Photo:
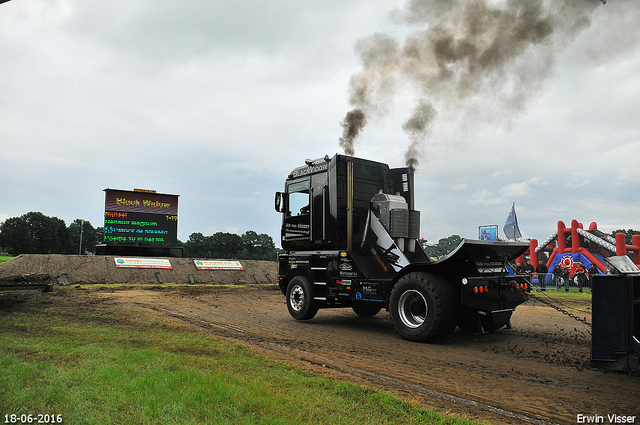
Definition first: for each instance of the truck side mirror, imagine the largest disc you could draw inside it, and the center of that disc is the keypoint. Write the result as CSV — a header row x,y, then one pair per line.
x,y
278,201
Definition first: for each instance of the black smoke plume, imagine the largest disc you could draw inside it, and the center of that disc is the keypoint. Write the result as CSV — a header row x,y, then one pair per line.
x,y
417,127
352,125
480,60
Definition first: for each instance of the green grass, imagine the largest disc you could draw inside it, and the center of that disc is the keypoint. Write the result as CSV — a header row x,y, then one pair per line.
x,y
100,365
4,258
573,300
573,294
117,286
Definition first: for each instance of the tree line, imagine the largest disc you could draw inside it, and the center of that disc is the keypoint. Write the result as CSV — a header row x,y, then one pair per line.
x,y
628,234
442,248
36,233
248,246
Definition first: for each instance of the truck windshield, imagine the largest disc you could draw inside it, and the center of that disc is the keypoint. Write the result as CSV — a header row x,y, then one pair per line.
x,y
299,198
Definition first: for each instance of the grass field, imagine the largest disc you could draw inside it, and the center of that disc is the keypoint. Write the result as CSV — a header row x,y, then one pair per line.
x,y
572,300
4,258
573,294
103,366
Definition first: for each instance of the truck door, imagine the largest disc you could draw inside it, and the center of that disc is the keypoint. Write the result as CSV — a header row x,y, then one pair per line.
x,y
296,227
319,200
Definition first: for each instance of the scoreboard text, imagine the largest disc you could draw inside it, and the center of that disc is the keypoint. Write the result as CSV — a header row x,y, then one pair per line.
x,y
140,217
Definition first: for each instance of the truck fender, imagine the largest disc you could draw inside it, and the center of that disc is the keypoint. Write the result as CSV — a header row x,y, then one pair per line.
x,y
299,271
415,267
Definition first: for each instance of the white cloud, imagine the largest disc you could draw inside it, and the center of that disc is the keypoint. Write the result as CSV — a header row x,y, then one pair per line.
x,y
521,190
485,197
460,187
516,190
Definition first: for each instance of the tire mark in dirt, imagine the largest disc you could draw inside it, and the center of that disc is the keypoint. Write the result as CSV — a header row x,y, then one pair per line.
x,y
249,332
537,370
242,332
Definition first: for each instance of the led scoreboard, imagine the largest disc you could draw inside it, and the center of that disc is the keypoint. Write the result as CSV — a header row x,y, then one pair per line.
x,y
140,217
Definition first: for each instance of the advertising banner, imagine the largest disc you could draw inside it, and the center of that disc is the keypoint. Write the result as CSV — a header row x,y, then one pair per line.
x,y
218,265
488,233
142,263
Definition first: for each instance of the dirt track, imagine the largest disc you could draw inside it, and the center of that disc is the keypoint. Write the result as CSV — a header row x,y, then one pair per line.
x,y
538,372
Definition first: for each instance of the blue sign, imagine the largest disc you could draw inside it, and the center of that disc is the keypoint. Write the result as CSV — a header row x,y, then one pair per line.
x,y
488,233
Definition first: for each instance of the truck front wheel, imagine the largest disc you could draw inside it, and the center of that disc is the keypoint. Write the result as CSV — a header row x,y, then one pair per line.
x,y
300,299
423,307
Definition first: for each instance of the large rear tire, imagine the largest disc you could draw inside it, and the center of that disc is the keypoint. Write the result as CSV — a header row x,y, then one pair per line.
x,y
424,307
300,301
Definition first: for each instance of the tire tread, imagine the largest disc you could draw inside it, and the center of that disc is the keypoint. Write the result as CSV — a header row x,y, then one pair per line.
x,y
446,305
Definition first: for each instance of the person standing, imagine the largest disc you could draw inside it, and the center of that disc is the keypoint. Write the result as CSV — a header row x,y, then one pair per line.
x,y
593,271
608,269
528,269
557,275
519,268
566,275
581,276
542,271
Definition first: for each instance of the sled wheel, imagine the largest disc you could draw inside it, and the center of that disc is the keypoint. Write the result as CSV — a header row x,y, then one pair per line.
x,y
300,299
498,322
423,307
367,309
474,323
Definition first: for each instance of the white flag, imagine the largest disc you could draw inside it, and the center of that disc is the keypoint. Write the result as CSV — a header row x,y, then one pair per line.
x,y
510,228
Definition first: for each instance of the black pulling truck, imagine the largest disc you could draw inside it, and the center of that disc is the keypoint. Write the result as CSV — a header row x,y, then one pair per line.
x,y
350,234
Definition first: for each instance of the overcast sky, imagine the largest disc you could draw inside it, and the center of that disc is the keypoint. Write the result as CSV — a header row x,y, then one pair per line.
x,y
218,101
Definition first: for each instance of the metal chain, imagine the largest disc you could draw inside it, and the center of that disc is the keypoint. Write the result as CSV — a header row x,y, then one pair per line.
x,y
563,311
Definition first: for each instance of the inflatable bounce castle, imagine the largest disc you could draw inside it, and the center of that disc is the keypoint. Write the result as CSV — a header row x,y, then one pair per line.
x,y
569,246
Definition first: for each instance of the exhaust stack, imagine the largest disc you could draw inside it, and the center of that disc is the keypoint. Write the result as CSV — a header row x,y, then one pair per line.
x,y
414,215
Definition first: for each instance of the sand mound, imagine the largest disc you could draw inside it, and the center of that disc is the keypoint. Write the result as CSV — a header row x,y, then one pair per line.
x,y
84,269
